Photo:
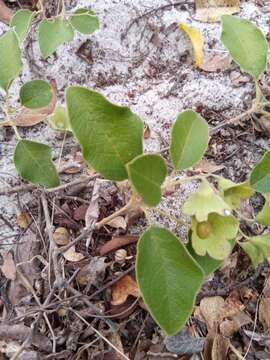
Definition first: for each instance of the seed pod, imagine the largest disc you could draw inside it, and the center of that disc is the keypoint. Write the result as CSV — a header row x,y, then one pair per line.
x,y
203,229
61,236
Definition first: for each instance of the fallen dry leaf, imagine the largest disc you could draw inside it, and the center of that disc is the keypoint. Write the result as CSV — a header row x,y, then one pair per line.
x,y
220,347
123,288
118,223
5,13
197,42
146,132
229,327
72,255
115,339
8,268
238,79
212,10
30,117
61,236
206,166
216,62
93,273
264,313
211,309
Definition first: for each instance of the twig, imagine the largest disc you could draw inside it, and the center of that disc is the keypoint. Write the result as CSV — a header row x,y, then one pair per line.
x,y
116,243
100,335
53,246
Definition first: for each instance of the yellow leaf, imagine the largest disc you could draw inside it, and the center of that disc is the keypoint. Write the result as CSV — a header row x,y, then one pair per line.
x,y
197,41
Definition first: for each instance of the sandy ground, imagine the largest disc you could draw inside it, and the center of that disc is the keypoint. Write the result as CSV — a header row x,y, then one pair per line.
x,y
147,66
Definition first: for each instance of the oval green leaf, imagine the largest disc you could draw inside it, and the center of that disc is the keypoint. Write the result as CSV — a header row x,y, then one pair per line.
x,y
21,22
10,59
168,278
36,94
246,43
189,140
147,173
260,175
53,33
33,162
85,21
110,135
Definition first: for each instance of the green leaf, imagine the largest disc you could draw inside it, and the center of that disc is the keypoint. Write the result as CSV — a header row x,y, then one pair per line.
x,y
53,33
263,217
147,173
262,242
260,175
21,22
206,262
85,21
110,135
215,241
205,201
246,43
59,119
33,162
234,193
168,278
36,94
10,59
189,141
256,256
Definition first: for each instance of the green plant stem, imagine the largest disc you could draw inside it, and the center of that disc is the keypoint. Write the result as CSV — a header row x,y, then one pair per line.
x,y
258,92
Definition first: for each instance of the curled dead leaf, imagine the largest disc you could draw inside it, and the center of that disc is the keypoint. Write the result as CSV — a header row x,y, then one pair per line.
x,y
123,288
197,42
72,255
228,327
5,13
118,223
30,117
211,309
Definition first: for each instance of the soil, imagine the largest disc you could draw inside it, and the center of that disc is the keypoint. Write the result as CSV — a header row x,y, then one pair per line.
x,y
141,58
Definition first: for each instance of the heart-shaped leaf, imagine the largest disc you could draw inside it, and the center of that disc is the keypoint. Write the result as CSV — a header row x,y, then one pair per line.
x,y
53,33
10,59
255,254
189,140
246,43
110,135
168,278
33,162
260,175
21,22
147,173
85,21
36,94
262,242
234,193
205,201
